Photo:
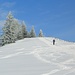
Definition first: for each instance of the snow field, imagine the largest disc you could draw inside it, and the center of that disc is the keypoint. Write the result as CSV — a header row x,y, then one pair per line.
x,y
38,56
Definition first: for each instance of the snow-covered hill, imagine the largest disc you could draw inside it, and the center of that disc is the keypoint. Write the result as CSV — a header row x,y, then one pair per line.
x,y
37,56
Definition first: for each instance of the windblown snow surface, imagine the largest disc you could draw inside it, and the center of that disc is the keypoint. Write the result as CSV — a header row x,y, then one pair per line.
x,y
37,56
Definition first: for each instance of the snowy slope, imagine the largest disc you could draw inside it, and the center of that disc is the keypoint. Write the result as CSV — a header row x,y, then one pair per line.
x,y
37,56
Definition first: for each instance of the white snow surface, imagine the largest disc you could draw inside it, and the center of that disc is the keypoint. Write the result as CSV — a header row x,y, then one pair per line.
x,y
37,56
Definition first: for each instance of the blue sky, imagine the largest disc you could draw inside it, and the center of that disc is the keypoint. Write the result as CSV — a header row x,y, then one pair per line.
x,y
55,17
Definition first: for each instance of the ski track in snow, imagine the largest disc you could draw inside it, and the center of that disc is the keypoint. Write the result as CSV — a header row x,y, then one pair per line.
x,y
17,53
57,70
11,55
36,54
61,65
52,72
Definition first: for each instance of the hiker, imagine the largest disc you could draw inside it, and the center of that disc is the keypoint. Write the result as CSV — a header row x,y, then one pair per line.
x,y
54,42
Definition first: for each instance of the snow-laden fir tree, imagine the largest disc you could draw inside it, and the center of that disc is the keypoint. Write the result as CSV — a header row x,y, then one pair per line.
x,y
41,33
32,32
28,35
17,28
20,34
24,31
10,29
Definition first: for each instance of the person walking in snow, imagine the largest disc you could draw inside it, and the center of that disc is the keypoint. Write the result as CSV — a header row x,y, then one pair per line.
x,y
54,42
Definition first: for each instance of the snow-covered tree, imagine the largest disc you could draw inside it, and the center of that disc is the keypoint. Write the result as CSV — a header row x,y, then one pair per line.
x,y
10,29
20,34
41,33
28,35
17,27
24,31
32,32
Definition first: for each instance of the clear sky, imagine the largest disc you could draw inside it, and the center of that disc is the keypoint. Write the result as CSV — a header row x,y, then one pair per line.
x,y
55,17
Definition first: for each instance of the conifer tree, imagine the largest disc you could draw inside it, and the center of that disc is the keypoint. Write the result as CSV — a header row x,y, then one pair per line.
x,y
20,34
32,32
17,28
24,31
28,35
41,33
10,29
